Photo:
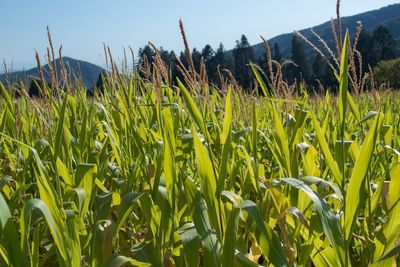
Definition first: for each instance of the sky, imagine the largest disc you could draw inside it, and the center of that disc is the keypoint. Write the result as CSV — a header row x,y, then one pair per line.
x,y
81,26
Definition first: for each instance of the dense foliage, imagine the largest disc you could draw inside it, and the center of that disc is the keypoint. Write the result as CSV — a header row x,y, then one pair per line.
x,y
388,72
148,174
373,47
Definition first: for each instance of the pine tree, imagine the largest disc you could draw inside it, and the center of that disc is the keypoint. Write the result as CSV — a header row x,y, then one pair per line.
x,y
364,47
300,59
388,72
169,60
219,56
222,59
208,55
243,55
318,69
196,56
383,46
277,56
322,75
35,89
100,86
148,52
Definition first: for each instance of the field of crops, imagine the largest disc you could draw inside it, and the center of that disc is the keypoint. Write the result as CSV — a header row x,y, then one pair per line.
x,y
153,175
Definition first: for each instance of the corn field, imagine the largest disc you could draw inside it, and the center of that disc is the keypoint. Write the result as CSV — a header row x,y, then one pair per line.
x,y
152,175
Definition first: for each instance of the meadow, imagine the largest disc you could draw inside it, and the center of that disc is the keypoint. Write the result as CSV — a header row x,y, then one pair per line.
x,y
148,173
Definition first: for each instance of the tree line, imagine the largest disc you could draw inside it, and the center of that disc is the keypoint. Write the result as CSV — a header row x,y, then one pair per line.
x,y
307,67
310,68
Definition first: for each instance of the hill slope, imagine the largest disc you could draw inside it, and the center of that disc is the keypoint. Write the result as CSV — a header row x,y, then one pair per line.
x,y
87,72
388,16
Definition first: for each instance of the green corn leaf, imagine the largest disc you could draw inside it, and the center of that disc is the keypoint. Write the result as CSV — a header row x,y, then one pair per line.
x,y
355,192
208,182
190,240
226,143
85,178
228,117
60,127
9,236
97,244
229,244
193,109
281,138
328,158
115,143
124,210
354,109
394,192
72,241
268,239
369,116
8,98
343,81
117,260
35,247
260,80
64,172
224,165
212,247
169,155
254,143
316,180
243,261
393,252
55,229
387,239
329,221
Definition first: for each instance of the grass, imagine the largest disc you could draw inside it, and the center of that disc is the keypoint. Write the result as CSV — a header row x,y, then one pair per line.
x,y
149,174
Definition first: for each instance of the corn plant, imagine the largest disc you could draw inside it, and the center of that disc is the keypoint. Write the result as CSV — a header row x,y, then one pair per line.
x,y
149,174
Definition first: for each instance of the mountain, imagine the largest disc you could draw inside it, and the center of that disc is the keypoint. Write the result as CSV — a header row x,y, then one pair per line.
x,y
387,16
87,72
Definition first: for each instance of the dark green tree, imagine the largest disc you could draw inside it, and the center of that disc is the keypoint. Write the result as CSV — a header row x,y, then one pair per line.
x,y
383,46
322,75
169,59
208,54
319,70
219,55
184,60
148,52
221,59
276,55
243,55
388,72
173,66
364,47
262,63
35,88
196,56
300,59
165,56
101,83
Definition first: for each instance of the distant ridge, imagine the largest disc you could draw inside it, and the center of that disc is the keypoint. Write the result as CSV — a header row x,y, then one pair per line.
x,y
388,16
87,72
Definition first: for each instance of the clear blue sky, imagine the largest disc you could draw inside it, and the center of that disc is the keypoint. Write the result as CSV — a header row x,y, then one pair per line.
x,y
81,26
